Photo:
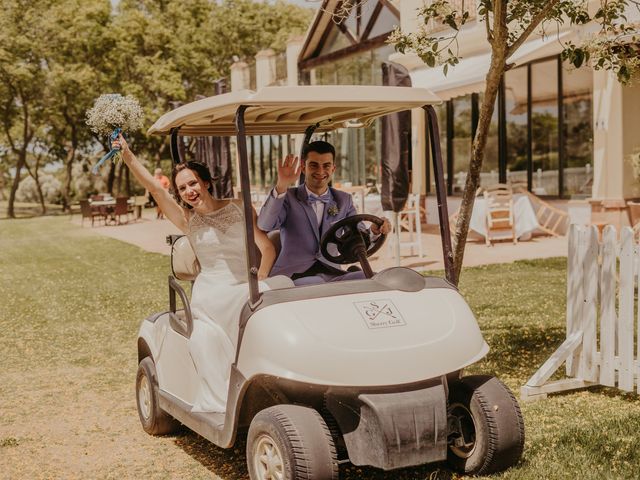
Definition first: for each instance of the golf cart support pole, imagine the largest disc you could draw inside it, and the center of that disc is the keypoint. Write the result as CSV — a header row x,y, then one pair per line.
x,y
245,185
441,193
173,146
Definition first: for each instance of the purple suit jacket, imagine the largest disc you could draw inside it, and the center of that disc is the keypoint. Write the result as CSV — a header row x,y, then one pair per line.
x,y
298,225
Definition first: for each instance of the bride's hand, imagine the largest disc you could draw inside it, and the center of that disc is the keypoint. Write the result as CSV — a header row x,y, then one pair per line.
x,y
262,275
120,144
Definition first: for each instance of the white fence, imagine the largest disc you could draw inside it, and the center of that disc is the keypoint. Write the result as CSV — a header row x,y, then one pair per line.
x,y
602,316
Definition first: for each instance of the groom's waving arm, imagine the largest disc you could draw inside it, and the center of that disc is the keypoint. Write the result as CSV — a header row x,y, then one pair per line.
x,y
274,211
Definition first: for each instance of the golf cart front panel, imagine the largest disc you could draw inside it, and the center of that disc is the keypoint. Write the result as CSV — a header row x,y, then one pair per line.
x,y
393,429
376,338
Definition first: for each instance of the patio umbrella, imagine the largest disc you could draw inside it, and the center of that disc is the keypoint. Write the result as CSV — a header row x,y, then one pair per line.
x,y
396,150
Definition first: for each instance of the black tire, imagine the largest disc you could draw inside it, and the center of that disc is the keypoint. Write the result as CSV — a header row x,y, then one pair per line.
x,y
492,427
296,443
154,420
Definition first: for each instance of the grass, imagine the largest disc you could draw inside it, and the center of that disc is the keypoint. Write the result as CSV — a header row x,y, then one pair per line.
x,y
71,306
28,209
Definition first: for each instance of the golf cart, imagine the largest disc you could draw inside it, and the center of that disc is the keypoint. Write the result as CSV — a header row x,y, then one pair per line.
x,y
365,371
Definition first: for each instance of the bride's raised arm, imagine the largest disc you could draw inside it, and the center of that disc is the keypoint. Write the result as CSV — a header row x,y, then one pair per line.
x,y
171,209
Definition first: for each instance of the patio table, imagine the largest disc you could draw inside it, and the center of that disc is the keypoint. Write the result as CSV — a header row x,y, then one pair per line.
x,y
523,214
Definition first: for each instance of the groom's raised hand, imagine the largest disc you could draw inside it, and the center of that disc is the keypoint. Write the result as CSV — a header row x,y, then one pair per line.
x,y
288,172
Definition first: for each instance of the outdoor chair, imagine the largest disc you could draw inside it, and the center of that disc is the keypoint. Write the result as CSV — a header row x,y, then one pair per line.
x,y
88,212
500,222
410,220
121,208
633,210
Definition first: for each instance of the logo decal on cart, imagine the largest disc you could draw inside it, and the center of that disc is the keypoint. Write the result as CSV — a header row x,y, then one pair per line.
x,y
380,314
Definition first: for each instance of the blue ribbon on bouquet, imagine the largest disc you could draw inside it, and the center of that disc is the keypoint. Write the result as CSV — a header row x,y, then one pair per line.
x,y
111,154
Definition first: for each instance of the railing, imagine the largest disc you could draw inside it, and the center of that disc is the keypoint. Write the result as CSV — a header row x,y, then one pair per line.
x,y
601,346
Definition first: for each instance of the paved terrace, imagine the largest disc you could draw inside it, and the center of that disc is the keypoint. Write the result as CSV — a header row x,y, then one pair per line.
x,y
149,234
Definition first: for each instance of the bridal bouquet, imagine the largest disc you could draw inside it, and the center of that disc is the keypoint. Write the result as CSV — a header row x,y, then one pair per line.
x,y
111,115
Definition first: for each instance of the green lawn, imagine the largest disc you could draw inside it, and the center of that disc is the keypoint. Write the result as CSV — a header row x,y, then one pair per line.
x,y
71,306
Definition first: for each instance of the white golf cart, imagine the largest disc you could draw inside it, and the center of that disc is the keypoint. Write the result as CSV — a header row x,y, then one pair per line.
x,y
366,371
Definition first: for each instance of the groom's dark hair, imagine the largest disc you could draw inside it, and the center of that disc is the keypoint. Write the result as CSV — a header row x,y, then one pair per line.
x,y
320,147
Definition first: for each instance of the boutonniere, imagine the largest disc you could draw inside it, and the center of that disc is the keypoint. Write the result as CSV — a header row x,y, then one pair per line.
x,y
333,210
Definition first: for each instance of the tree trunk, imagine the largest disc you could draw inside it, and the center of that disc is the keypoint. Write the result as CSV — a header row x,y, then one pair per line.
x,y
496,72
66,195
43,208
16,182
111,178
119,179
36,178
127,180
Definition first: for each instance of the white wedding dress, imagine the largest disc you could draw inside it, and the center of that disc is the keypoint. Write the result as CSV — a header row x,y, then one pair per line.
x,y
218,295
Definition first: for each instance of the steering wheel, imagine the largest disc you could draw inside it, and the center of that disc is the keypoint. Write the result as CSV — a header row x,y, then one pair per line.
x,y
351,244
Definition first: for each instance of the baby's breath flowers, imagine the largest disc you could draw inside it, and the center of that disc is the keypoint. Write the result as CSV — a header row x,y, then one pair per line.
x,y
111,111
112,114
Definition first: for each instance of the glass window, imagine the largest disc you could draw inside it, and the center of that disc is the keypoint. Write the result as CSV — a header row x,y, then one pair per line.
x,y
544,118
577,85
336,40
515,88
489,174
385,23
461,141
360,146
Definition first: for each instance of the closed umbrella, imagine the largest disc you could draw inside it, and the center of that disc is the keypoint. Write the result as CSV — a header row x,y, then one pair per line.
x,y
396,150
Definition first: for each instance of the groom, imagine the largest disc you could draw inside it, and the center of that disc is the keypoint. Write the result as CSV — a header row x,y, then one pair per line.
x,y
303,214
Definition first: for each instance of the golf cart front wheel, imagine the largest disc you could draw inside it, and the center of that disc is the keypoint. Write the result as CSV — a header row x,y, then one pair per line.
x,y
154,420
486,426
290,442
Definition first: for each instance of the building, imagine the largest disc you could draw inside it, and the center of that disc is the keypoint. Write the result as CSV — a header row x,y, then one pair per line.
x,y
562,132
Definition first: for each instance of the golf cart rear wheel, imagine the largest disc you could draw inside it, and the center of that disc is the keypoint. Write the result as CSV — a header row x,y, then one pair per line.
x,y
154,420
487,427
290,442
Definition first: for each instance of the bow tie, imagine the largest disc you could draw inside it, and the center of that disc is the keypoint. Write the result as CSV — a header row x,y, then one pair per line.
x,y
324,198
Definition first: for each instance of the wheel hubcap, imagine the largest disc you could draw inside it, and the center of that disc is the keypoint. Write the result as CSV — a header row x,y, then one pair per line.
x,y
464,426
144,397
268,459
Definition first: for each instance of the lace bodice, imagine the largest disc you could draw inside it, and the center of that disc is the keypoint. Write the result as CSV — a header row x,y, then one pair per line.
x,y
218,240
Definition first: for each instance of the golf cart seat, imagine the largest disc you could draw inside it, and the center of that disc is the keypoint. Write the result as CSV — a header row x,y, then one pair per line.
x,y
185,265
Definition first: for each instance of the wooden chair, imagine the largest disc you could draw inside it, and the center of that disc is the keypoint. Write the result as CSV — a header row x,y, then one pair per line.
x,y
409,220
88,212
633,210
552,220
121,208
500,222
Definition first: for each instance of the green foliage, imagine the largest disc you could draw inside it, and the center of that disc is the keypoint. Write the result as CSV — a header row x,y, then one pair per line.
x,y
610,48
58,56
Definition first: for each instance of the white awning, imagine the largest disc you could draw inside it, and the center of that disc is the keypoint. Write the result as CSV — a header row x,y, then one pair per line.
x,y
469,75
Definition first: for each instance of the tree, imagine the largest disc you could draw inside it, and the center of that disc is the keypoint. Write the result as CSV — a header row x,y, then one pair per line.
x,y
75,70
508,26
22,81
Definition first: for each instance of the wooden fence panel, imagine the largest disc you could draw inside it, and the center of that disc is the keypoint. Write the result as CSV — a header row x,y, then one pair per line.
x,y
608,306
626,317
590,272
574,292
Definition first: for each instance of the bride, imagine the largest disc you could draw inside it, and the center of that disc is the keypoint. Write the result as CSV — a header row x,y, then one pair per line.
x,y
216,231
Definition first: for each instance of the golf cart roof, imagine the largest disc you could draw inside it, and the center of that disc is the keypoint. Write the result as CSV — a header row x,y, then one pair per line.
x,y
289,110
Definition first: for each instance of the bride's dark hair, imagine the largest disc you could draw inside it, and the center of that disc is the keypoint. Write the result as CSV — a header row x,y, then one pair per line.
x,y
199,169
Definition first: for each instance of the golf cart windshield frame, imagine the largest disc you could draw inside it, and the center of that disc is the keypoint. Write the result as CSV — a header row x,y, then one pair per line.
x,y
245,185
